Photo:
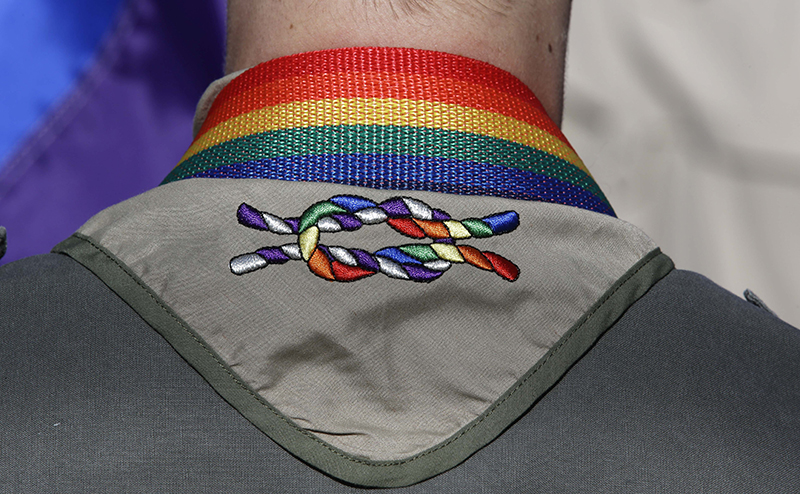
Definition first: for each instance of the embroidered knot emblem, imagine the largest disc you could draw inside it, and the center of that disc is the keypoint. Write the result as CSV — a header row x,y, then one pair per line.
x,y
410,217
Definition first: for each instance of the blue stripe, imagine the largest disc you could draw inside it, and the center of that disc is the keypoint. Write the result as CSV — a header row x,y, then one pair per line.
x,y
397,255
352,203
503,222
405,172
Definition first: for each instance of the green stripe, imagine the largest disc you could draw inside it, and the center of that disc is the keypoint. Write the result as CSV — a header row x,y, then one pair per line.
x,y
477,228
420,252
379,139
317,211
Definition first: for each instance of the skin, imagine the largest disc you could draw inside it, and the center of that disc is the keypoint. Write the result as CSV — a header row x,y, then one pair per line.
x,y
528,38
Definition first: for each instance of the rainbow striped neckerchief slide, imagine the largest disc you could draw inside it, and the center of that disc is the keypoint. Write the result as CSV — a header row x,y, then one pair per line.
x,y
390,118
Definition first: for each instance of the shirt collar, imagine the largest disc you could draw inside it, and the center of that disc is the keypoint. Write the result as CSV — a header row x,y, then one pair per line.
x,y
388,118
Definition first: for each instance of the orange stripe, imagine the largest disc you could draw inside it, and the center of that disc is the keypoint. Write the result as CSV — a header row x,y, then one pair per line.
x,y
433,229
377,85
474,257
320,265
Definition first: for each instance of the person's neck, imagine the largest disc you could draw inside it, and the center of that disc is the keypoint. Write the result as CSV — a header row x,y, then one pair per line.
x,y
521,37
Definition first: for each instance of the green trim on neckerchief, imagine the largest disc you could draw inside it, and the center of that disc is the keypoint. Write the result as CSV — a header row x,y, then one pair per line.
x,y
333,461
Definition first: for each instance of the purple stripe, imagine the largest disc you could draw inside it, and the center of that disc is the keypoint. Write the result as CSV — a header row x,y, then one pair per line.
x,y
419,273
348,222
250,217
294,223
365,260
439,215
395,208
273,255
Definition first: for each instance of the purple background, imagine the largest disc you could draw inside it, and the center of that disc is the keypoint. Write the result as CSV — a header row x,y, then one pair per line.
x,y
120,130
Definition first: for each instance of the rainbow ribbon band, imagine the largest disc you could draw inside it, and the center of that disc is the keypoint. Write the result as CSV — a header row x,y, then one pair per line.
x,y
410,217
390,118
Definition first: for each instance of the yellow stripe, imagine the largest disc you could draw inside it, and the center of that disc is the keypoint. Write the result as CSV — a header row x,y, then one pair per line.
x,y
447,252
308,241
457,230
380,111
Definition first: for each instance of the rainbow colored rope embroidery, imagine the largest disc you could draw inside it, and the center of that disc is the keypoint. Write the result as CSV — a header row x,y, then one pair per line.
x,y
412,218
390,118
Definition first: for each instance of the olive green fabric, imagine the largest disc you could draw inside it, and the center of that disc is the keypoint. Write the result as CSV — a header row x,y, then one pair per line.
x,y
379,368
508,408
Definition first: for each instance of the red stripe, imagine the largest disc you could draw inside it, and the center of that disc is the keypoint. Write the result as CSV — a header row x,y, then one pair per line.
x,y
407,227
397,60
503,266
343,272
